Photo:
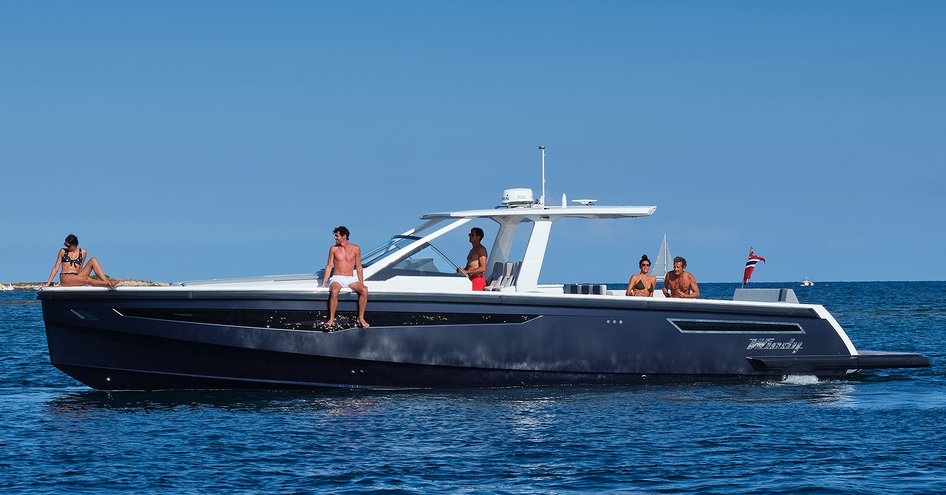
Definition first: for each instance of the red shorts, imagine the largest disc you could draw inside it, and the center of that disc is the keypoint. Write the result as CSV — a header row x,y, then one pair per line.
x,y
479,282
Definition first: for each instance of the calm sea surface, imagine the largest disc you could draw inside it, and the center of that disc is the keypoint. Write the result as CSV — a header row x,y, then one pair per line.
x,y
882,432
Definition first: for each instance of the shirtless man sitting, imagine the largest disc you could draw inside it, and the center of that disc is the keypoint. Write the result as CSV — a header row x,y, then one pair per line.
x,y
476,260
343,259
679,282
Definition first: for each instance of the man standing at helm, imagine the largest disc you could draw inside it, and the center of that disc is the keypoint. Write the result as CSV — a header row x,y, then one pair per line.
x,y
476,260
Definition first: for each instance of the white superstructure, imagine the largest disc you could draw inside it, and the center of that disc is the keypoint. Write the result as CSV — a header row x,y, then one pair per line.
x,y
412,253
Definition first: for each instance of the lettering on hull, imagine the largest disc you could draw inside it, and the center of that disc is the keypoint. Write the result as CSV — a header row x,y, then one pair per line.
x,y
771,345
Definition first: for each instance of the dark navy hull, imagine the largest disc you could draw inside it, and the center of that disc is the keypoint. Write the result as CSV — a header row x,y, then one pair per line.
x,y
141,340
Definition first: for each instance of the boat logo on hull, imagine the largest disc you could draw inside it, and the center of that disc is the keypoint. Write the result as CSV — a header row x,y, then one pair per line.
x,y
772,345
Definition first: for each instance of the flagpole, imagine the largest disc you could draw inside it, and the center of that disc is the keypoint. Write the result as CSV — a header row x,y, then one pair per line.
x,y
542,197
744,279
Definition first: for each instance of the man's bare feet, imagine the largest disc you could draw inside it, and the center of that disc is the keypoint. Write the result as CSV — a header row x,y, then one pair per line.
x,y
364,323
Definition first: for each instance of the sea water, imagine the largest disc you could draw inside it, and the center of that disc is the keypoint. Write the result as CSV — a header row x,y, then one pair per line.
x,y
881,432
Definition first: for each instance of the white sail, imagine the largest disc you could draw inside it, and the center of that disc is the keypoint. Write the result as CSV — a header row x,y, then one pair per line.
x,y
664,261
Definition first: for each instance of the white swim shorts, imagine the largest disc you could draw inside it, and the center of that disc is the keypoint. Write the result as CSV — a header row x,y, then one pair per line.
x,y
344,280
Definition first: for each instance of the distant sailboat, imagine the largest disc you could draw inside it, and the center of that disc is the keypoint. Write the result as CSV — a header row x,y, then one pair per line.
x,y
664,261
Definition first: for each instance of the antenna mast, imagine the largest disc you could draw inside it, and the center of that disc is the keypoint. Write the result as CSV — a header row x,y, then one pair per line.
x,y
542,197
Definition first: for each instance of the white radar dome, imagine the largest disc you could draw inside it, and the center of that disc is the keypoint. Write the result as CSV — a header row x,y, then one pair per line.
x,y
518,197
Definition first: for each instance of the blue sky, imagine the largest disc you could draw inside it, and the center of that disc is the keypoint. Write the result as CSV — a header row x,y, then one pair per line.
x,y
183,140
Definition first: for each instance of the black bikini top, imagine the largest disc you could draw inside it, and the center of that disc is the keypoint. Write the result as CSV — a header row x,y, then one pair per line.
x,y
640,286
74,262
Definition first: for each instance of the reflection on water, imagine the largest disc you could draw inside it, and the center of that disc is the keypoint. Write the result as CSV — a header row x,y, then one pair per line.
x,y
225,400
528,410
828,393
530,417
788,391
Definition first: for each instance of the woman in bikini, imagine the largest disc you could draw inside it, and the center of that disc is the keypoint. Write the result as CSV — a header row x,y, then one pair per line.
x,y
70,258
642,284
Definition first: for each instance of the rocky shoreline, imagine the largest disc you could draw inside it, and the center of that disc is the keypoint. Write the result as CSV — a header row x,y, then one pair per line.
x,y
123,282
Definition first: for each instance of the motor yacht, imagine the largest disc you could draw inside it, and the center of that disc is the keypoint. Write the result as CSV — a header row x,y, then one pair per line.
x,y
430,330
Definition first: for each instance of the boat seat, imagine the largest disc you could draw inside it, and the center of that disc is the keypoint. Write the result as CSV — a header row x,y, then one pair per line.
x,y
601,289
495,275
505,278
509,275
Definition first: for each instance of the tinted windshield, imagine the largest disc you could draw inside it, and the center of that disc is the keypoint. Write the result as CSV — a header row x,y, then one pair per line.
x,y
425,260
394,244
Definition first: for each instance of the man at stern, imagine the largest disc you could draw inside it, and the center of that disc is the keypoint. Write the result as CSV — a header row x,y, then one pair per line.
x,y
679,282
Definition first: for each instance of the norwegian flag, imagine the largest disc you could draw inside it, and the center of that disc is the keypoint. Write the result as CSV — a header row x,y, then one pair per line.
x,y
750,265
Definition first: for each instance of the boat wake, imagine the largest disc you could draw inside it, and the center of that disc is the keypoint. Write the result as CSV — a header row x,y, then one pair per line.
x,y
799,380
